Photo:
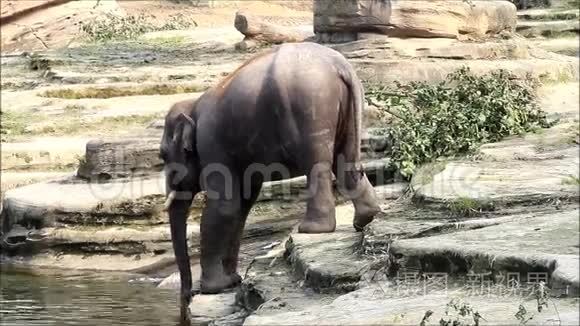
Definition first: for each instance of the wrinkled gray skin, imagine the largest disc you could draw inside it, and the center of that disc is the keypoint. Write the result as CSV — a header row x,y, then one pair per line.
x,y
297,109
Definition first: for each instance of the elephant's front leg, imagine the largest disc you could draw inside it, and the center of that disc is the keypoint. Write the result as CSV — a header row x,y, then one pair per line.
x,y
248,199
219,229
320,211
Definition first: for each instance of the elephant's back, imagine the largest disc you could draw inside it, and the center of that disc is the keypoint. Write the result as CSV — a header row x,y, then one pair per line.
x,y
265,107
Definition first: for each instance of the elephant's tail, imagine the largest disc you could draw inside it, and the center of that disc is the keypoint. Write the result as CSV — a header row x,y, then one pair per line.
x,y
357,103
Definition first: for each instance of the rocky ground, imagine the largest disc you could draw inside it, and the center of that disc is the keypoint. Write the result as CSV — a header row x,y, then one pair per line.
x,y
81,182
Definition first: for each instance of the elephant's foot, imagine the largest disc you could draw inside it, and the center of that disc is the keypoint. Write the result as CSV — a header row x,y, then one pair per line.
x,y
364,214
366,205
218,283
236,278
327,225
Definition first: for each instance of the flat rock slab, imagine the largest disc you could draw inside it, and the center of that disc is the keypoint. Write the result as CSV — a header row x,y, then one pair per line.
x,y
436,70
500,183
548,14
375,46
12,180
392,225
561,101
75,201
327,261
271,286
569,46
135,200
135,263
129,240
372,306
535,168
548,28
542,243
44,152
138,248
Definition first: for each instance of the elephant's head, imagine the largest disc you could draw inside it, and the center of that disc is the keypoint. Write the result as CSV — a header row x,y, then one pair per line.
x,y
179,153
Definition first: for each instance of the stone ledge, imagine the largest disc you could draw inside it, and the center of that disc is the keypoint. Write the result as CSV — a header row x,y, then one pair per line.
x,y
436,70
327,261
373,46
543,243
376,305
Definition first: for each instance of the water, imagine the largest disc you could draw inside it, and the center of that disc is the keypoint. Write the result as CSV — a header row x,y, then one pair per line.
x,y
95,299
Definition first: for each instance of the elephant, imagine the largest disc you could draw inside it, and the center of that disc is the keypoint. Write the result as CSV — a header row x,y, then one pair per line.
x,y
290,111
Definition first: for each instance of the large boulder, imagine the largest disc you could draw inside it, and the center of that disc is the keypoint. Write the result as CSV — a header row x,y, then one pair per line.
x,y
106,159
341,21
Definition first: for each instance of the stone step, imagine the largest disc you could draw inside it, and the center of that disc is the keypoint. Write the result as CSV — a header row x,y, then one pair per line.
x,y
108,261
436,70
143,249
542,243
548,14
376,305
73,201
125,240
534,169
134,200
373,46
333,263
11,180
569,46
548,29
61,153
337,262
270,284
327,262
560,101
457,252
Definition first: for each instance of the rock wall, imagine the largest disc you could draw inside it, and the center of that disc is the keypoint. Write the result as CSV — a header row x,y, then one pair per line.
x,y
337,21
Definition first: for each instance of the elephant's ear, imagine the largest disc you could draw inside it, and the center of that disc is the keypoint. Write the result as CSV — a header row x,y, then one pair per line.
x,y
187,128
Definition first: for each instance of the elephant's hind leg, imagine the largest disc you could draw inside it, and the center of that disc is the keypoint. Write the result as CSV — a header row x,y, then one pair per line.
x,y
354,185
320,207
